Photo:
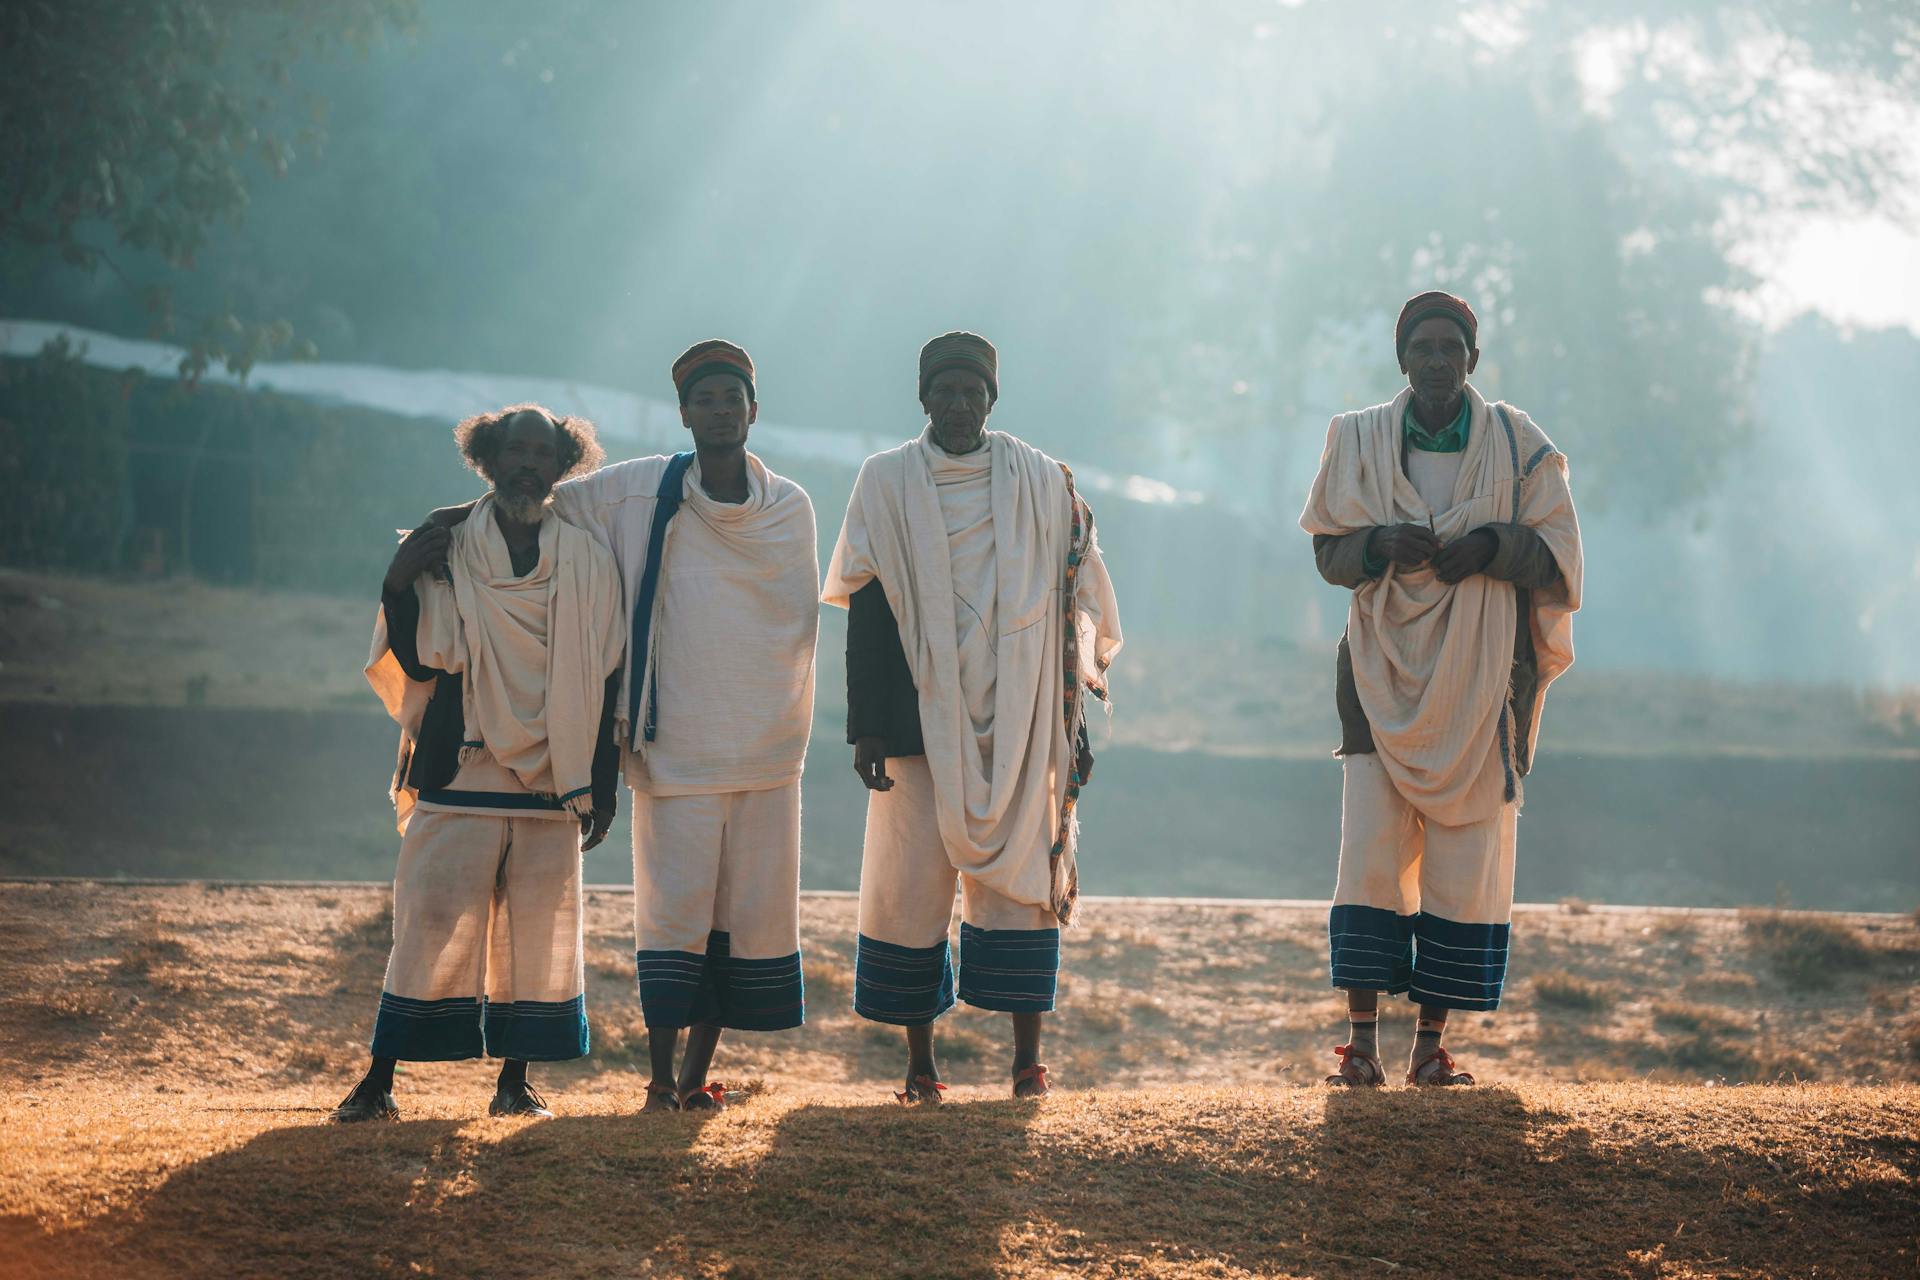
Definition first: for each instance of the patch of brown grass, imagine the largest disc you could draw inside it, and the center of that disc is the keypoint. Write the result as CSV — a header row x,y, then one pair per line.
x,y
150,948
1564,990
75,1006
615,966
1805,949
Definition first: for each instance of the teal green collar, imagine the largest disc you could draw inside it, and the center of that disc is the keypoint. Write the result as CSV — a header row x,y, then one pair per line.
x,y
1451,439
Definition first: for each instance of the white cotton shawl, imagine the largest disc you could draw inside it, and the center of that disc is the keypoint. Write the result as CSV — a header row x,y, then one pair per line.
x,y
534,652
1012,831
736,617
1432,663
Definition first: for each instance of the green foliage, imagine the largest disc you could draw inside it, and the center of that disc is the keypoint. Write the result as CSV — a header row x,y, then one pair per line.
x,y
134,127
230,484
63,461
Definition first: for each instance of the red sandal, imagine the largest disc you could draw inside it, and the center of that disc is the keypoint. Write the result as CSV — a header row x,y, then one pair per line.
x,y
1035,1072
1446,1075
920,1089
712,1097
1358,1070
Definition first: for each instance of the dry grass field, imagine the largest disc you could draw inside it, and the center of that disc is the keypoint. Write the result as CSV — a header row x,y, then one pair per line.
x,y
1666,1094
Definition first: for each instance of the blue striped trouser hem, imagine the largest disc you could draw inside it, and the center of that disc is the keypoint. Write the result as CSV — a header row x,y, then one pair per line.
x,y
537,1030
1433,960
428,1030
1370,948
1009,970
689,988
1458,966
904,986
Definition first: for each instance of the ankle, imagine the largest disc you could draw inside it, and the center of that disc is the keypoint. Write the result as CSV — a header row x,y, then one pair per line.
x,y
1427,1036
1363,1031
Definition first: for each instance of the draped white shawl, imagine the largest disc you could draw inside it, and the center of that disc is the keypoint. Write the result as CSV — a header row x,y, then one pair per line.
x,y
535,652
733,655
1012,831
1432,663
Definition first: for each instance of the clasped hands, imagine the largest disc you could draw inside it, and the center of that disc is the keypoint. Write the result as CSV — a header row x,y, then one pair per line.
x,y
1412,545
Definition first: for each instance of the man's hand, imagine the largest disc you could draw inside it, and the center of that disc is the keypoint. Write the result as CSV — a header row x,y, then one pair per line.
x,y
1464,557
423,550
593,828
1407,545
870,762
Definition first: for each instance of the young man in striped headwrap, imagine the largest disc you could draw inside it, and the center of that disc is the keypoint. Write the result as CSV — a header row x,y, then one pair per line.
x,y
1450,518
721,570
979,614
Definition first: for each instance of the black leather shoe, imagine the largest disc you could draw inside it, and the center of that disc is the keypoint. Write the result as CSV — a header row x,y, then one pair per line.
x,y
518,1100
365,1104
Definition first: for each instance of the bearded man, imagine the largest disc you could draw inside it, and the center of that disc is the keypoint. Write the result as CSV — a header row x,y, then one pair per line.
x,y
498,651
1450,518
979,615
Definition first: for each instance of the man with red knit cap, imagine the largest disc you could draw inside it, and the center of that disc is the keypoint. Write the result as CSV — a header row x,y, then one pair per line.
x,y
1450,518
721,575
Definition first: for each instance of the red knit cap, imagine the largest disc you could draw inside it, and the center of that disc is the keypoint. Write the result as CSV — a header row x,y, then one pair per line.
x,y
1424,306
715,355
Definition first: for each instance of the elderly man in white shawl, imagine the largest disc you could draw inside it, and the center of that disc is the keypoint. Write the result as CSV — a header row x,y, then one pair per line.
x,y
1451,520
498,651
979,614
721,571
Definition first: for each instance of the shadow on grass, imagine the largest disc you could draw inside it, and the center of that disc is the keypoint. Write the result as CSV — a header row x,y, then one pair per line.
x,y
1471,1180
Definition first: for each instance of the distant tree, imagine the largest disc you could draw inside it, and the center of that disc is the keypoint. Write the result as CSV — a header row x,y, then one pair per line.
x,y
1594,230
130,131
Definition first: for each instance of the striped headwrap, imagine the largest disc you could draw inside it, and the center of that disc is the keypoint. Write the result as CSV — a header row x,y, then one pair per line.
x,y
715,355
961,350
1424,306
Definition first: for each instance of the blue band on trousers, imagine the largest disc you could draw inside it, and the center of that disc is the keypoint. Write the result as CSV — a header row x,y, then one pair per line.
x,y
428,1030
1458,966
1434,960
689,988
537,1030
1372,948
905,986
1009,970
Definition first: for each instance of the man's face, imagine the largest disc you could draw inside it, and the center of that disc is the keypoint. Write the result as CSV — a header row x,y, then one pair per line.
x,y
957,405
1437,362
527,464
718,412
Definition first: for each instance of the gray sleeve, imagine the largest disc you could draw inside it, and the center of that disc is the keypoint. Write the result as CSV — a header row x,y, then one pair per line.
x,y
1522,558
1342,558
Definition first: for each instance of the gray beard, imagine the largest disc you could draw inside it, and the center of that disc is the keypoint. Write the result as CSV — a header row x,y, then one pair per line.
x,y
521,510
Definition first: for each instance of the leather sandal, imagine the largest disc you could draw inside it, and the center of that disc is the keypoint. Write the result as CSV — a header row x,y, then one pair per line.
x,y
667,1091
920,1089
711,1096
1444,1075
1358,1069
1035,1072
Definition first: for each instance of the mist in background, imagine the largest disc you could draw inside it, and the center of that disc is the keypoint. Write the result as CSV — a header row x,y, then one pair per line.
x,y
1691,232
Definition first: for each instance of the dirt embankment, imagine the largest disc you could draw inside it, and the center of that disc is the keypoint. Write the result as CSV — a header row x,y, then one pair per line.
x,y
263,793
